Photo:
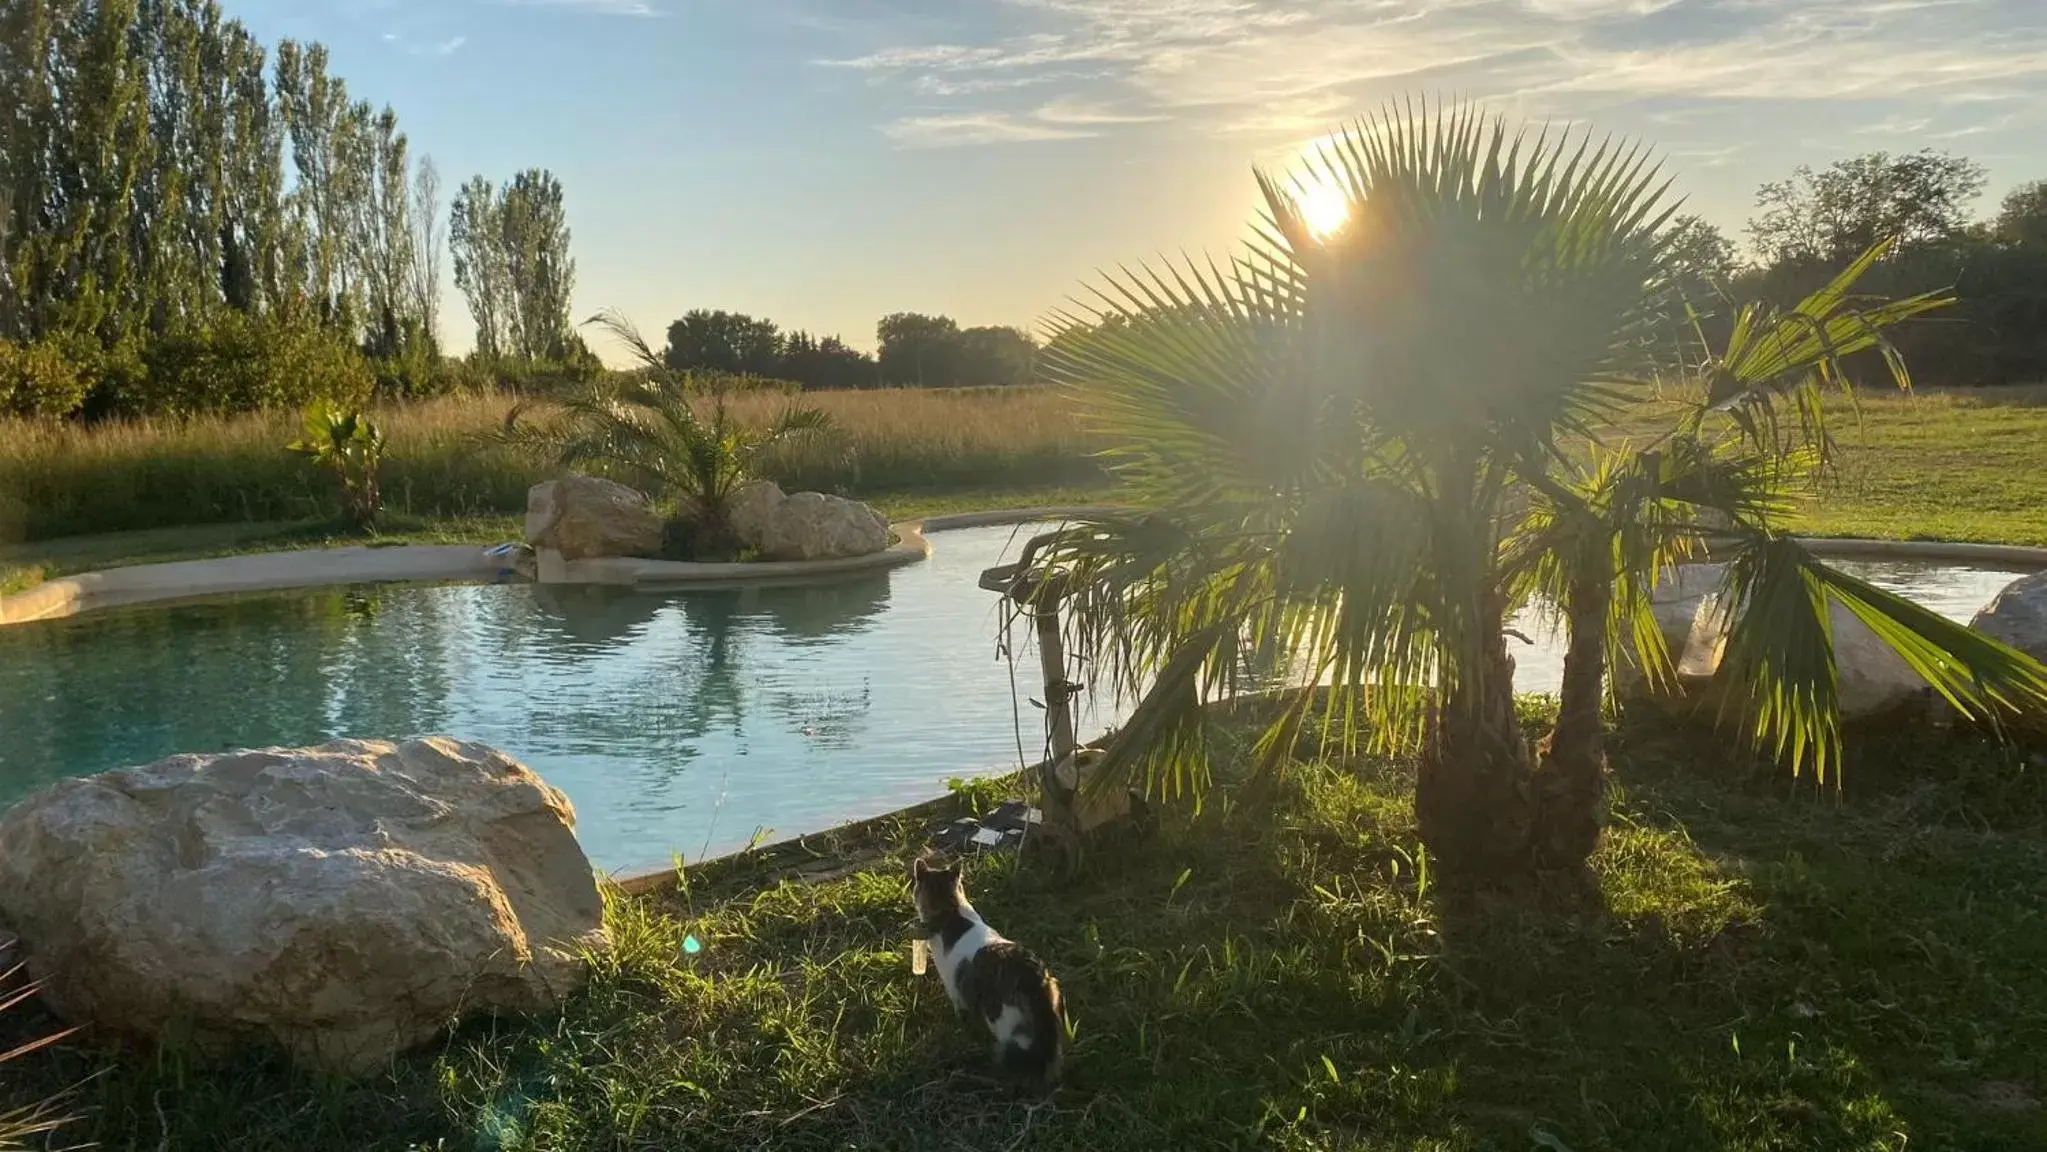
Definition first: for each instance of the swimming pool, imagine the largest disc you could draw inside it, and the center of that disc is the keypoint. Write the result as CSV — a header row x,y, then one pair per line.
x,y
681,722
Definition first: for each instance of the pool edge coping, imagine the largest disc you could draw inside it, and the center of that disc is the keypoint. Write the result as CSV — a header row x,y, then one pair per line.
x,y
178,580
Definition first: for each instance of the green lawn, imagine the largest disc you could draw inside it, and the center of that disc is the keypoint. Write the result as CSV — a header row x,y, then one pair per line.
x,y
1758,968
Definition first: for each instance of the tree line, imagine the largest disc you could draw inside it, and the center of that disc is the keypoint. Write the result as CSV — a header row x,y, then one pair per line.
x,y
913,350
1808,227
190,221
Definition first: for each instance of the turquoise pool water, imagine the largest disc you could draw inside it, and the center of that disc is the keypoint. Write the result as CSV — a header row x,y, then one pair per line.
x,y
681,722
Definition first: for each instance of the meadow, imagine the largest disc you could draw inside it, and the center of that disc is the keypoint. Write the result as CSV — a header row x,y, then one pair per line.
x,y
1755,967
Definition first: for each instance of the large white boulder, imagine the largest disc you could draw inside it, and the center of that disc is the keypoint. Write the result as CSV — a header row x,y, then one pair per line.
x,y
1683,603
2018,616
344,902
583,518
805,526
1873,680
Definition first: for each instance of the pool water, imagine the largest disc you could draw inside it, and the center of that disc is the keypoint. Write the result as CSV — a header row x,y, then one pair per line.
x,y
679,723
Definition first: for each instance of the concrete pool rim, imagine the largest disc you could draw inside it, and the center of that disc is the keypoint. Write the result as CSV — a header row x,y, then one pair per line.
x,y
184,580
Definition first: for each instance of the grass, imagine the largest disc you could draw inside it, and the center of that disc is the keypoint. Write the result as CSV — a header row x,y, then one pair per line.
x,y
67,480
1752,970
1958,465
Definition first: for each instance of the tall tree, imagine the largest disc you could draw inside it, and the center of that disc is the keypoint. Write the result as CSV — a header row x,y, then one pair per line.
x,y
476,238
82,279
252,216
541,276
426,248
1837,213
386,239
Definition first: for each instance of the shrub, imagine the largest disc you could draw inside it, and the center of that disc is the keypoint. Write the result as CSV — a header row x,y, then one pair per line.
x,y
237,364
38,380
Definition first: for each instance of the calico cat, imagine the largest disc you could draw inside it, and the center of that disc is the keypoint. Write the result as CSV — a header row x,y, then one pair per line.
x,y
995,978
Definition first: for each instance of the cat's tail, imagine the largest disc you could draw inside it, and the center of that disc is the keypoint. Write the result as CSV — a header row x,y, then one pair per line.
x,y
1038,1052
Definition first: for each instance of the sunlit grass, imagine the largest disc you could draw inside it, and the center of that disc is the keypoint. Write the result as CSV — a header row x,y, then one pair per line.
x,y
65,480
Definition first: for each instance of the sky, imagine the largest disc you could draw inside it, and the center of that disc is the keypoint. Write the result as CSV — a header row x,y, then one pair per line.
x,y
823,162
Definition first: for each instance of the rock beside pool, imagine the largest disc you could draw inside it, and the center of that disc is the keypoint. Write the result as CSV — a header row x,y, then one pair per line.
x,y
806,525
2018,616
343,902
585,518
1680,599
1873,680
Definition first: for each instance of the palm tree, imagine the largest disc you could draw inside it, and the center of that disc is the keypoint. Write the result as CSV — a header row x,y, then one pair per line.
x,y
672,434
1359,451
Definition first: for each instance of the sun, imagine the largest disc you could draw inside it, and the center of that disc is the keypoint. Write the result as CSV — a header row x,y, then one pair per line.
x,y
1323,207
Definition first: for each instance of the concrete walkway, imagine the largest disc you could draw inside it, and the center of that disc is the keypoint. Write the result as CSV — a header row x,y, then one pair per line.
x,y
469,563
455,563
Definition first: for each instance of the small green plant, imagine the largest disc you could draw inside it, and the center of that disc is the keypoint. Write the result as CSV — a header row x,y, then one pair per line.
x,y
18,1124
352,445
980,794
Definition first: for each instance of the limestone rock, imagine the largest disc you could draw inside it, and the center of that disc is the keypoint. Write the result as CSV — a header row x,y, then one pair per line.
x,y
805,526
1683,603
583,518
1874,681
345,901
2018,616
753,507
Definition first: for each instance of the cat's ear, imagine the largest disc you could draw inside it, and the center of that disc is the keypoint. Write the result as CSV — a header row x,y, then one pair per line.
x,y
918,868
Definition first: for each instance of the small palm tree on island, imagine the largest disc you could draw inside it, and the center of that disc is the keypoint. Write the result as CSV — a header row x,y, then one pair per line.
x,y
671,434
1377,432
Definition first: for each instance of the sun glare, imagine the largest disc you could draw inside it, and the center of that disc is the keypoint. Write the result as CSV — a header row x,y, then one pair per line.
x,y
1323,207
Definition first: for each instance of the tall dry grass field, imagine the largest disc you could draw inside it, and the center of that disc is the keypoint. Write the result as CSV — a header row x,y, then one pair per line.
x,y
63,479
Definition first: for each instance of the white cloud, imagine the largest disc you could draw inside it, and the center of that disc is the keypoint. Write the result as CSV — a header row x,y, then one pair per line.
x,y
450,46
1290,71
595,7
970,128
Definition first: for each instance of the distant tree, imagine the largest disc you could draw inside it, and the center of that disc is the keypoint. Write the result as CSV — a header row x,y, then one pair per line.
x,y
918,351
724,342
1831,215
2022,218
995,356
826,364
1699,253
428,240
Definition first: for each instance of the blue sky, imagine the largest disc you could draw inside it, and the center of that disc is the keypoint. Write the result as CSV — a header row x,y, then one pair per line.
x,y
822,162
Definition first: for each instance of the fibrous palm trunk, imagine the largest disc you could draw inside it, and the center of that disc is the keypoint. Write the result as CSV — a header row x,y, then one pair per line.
x,y
1472,793
1570,783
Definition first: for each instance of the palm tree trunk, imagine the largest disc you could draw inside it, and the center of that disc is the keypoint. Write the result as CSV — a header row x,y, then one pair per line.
x,y
1472,794
1570,784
